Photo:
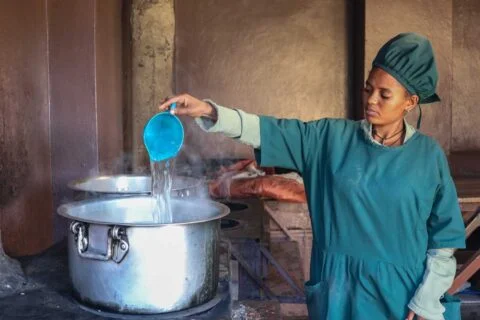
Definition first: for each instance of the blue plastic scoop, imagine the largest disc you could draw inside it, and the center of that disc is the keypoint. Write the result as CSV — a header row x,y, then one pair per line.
x,y
163,135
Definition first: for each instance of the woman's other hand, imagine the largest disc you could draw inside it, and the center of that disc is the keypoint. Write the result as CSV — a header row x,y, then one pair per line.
x,y
411,316
189,106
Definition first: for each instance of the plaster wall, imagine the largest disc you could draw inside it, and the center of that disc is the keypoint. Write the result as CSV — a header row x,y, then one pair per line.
x,y
152,67
466,80
273,57
433,18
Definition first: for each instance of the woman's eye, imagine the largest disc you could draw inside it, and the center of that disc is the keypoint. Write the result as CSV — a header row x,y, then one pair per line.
x,y
385,94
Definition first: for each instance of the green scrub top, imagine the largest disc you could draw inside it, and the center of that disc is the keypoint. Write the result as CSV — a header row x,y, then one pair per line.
x,y
375,211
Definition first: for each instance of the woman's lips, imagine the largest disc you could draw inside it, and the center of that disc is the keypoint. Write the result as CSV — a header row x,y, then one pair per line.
x,y
371,113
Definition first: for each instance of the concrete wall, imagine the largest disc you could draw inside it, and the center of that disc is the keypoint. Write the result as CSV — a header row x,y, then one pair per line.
x,y
276,57
152,67
432,18
452,28
294,59
466,80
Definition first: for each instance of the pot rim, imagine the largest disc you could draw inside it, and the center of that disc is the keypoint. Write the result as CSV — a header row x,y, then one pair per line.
x,y
75,184
64,208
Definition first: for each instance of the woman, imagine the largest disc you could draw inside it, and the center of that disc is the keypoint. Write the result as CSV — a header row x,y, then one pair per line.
x,y
383,206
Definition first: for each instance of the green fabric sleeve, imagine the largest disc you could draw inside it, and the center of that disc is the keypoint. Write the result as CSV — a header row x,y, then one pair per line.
x,y
445,225
233,123
438,277
289,143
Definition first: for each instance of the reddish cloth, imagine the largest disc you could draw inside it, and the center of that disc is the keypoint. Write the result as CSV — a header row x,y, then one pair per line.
x,y
245,165
268,186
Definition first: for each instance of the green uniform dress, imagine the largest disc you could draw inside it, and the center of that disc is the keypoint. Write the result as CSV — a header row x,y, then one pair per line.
x,y
375,211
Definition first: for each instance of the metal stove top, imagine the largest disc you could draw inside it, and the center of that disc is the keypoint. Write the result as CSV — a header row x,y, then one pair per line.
x,y
49,295
217,308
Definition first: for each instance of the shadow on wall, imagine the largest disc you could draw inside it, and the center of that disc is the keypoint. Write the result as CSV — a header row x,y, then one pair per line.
x,y
355,26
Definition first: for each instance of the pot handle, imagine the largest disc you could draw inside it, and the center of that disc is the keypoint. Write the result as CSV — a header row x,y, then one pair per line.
x,y
117,242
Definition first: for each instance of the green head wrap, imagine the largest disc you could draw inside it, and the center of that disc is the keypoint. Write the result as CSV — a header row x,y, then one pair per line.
x,y
409,58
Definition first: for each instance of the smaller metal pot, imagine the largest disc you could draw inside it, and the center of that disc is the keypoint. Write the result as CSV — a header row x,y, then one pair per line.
x,y
128,185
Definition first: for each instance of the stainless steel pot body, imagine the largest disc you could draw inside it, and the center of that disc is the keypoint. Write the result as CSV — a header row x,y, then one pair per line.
x,y
128,185
120,261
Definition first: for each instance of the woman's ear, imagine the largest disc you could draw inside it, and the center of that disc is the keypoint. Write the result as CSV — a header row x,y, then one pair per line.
x,y
412,102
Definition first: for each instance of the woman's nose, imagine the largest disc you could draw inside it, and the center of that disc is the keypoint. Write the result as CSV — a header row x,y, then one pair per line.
x,y
371,98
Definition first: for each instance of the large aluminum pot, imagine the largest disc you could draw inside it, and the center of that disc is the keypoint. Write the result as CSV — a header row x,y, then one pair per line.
x,y
128,185
120,261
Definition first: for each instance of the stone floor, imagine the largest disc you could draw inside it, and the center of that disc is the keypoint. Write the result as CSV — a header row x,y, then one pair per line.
x,y
47,295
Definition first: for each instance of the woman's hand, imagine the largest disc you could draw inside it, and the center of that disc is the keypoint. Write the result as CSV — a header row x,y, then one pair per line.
x,y
189,106
411,316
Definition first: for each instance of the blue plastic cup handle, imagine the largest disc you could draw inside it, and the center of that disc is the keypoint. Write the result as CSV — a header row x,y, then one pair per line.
x,y
163,136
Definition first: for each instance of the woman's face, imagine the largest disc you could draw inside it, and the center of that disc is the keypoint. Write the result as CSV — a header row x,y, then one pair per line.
x,y
385,100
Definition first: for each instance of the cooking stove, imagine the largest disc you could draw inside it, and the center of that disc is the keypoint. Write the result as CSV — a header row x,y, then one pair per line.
x,y
217,308
54,300
52,295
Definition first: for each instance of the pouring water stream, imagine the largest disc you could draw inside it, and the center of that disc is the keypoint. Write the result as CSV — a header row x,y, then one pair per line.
x,y
163,138
161,190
